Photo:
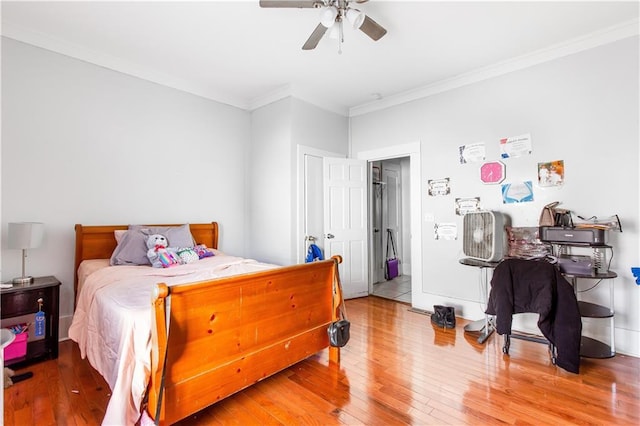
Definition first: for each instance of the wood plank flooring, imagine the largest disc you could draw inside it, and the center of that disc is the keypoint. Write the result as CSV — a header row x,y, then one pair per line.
x,y
397,369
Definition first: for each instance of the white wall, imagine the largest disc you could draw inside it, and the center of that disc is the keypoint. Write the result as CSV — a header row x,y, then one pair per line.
x,y
313,128
276,131
270,182
582,109
317,128
84,144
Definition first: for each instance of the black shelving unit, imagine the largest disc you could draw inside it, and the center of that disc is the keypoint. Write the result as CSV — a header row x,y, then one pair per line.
x,y
590,347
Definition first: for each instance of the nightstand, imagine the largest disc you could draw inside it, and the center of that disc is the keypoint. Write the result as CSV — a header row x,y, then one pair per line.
x,y
21,302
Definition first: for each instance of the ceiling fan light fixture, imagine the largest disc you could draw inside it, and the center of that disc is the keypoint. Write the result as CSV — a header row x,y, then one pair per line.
x,y
332,14
334,32
328,16
355,18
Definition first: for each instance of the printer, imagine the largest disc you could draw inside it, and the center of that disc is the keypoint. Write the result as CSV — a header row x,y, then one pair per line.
x,y
562,235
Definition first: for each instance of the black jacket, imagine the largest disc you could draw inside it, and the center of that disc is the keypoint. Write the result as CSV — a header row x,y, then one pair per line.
x,y
519,286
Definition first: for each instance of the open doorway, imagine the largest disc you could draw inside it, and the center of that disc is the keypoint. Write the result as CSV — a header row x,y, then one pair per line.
x,y
390,227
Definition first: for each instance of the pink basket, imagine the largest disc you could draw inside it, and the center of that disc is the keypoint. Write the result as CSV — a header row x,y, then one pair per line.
x,y
17,348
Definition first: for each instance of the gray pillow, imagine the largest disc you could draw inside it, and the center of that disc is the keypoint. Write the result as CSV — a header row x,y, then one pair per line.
x,y
132,248
177,236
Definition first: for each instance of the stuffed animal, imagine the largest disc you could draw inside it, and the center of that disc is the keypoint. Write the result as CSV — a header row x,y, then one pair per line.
x,y
160,254
188,255
202,251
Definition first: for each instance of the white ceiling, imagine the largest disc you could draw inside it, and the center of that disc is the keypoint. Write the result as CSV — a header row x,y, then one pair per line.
x,y
243,55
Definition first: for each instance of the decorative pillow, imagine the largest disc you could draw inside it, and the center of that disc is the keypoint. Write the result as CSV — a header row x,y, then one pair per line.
x,y
118,234
131,250
202,251
177,236
188,255
132,247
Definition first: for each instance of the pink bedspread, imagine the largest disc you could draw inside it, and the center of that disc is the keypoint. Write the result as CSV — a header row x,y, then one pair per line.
x,y
112,323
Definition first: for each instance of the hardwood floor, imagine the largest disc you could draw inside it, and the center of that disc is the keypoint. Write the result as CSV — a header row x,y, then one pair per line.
x,y
396,369
398,289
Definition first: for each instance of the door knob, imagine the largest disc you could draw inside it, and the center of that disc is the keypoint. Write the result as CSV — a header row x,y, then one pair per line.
x,y
330,236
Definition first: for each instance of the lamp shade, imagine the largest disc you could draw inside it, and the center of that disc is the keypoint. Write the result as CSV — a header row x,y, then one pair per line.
x,y
355,18
25,235
328,16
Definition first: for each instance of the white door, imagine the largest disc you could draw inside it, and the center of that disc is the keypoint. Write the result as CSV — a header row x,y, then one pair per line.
x,y
310,199
345,221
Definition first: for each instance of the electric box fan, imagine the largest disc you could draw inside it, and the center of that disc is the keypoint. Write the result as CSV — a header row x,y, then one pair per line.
x,y
483,236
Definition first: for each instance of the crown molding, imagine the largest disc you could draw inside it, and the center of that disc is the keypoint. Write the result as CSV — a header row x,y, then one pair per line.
x,y
293,91
578,44
323,103
53,44
268,98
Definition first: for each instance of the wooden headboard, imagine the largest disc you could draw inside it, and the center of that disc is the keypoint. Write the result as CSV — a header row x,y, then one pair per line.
x,y
98,242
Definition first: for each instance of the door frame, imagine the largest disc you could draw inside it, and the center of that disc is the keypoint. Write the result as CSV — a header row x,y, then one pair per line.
x,y
411,150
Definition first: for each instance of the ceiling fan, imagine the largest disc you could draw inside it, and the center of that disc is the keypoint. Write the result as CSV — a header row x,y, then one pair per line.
x,y
332,15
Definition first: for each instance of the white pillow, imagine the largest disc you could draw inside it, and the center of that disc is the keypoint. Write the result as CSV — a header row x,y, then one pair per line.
x,y
118,234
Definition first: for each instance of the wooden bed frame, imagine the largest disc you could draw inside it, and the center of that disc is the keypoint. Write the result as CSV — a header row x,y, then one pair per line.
x,y
98,242
226,334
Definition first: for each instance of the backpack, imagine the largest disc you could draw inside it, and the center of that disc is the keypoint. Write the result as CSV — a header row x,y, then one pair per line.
x,y
314,253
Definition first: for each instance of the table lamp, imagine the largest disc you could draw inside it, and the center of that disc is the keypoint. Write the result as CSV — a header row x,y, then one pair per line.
x,y
25,235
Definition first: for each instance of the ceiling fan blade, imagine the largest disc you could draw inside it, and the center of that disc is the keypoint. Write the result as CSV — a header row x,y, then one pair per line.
x,y
372,28
291,3
315,37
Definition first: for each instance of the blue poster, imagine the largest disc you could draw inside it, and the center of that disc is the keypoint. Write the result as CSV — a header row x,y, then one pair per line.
x,y
521,192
